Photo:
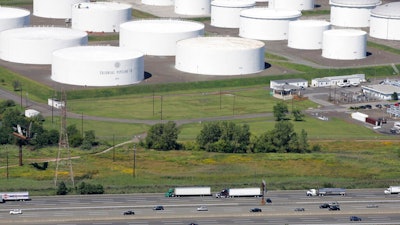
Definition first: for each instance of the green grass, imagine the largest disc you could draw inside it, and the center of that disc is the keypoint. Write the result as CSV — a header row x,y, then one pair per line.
x,y
15,2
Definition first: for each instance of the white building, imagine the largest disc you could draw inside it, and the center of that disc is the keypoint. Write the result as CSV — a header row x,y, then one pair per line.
x,y
31,113
385,21
297,83
55,103
352,13
334,80
13,18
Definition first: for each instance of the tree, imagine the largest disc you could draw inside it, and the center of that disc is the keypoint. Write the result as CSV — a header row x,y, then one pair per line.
x,y
162,136
74,136
62,188
282,134
303,141
89,140
280,111
210,133
298,115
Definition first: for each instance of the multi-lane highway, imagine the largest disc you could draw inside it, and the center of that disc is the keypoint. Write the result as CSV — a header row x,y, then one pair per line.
x,y
108,209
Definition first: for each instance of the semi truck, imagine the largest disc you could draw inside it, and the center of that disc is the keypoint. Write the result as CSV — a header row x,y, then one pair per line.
x,y
392,190
14,196
326,191
188,191
239,192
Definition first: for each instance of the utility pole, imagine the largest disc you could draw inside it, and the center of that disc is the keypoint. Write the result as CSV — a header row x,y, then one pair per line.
x,y
134,161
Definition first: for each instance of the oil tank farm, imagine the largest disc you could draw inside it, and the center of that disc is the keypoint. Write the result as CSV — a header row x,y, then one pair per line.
x,y
352,13
100,16
97,66
13,18
307,34
34,45
344,44
385,21
226,13
292,4
220,56
158,2
55,9
193,7
158,37
266,24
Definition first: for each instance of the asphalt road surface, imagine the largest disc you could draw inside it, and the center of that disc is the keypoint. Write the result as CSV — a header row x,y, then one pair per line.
x,y
108,209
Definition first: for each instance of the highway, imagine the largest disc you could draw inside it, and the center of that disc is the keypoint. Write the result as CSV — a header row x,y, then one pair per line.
x,y
108,209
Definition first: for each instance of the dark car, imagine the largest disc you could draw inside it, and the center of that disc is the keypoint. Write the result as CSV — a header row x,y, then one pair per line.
x,y
193,224
334,208
355,218
269,200
324,206
129,212
159,207
299,209
255,210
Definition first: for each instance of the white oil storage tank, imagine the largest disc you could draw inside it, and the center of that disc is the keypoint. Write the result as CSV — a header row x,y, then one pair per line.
x,y
220,56
307,34
34,45
266,24
158,2
55,9
193,7
226,13
292,4
97,66
158,37
13,18
352,13
344,44
100,16
385,21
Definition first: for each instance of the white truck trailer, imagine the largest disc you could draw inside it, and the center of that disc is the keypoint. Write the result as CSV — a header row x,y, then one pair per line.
x,y
326,191
392,190
14,196
239,192
188,191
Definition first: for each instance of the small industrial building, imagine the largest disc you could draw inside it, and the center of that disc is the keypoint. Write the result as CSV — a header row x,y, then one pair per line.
x,y
332,81
382,91
31,113
55,103
285,89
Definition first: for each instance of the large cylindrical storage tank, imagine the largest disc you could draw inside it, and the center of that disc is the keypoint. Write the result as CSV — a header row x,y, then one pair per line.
x,y
344,44
220,56
266,24
56,9
158,2
385,22
352,13
97,66
13,18
193,7
35,45
159,36
307,34
292,4
100,16
226,13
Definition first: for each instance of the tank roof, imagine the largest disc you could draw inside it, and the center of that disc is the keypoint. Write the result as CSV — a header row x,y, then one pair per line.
x,y
162,25
97,53
233,3
310,23
355,3
222,43
345,32
267,13
8,12
391,10
36,33
102,5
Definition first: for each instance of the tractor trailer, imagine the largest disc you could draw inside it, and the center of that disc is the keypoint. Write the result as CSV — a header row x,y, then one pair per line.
x,y
188,191
326,191
239,192
14,196
392,190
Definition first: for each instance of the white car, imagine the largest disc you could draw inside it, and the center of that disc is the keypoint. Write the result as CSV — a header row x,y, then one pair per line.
x,y
202,208
15,211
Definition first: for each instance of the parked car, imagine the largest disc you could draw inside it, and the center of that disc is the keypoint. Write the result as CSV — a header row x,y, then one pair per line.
x,y
299,209
15,211
255,210
159,207
334,208
129,212
202,208
355,218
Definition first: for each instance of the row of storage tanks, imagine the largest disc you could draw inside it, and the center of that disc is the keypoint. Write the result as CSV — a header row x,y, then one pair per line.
x,y
66,48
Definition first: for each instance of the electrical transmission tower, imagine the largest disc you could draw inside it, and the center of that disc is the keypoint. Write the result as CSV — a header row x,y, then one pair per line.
x,y
63,145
